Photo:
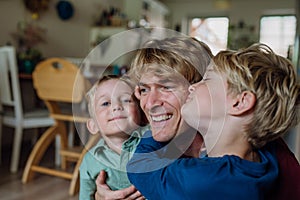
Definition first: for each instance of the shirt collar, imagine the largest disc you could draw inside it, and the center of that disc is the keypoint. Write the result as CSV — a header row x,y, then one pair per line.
x,y
100,146
135,137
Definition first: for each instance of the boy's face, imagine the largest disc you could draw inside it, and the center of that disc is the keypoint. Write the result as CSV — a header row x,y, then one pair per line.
x,y
115,110
161,100
206,105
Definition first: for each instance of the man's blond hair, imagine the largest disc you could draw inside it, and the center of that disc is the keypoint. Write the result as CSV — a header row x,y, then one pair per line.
x,y
184,55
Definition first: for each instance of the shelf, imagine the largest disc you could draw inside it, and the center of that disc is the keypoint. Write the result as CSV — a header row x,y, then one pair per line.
x,y
100,33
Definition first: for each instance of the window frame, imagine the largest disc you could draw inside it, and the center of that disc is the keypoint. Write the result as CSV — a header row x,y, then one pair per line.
x,y
277,15
189,20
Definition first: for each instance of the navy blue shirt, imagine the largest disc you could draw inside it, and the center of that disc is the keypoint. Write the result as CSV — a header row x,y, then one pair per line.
x,y
227,177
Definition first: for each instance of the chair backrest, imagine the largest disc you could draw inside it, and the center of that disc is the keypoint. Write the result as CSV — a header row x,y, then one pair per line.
x,y
59,80
55,78
10,94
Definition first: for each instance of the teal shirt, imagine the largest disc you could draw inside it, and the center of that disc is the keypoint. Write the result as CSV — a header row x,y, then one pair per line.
x,y
101,157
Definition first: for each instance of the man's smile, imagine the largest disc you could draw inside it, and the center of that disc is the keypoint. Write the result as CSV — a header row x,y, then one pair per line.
x,y
160,118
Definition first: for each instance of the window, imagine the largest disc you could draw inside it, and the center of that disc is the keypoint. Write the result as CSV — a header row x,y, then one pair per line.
x,y
213,31
278,32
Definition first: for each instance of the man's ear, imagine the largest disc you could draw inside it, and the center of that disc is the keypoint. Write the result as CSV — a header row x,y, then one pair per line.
x,y
242,103
92,126
137,92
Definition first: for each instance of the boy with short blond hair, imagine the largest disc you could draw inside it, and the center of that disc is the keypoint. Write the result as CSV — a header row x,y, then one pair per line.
x,y
272,80
115,115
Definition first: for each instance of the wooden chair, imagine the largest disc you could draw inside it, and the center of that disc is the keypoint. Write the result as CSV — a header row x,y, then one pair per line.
x,y
13,114
59,82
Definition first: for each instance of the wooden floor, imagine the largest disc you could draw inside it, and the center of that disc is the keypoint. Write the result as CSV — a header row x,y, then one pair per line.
x,y
43,187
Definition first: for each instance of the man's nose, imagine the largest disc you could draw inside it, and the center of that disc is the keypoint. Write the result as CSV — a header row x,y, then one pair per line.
x,y
155,98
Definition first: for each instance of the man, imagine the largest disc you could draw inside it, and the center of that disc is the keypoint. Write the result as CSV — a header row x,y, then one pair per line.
x,y
163,71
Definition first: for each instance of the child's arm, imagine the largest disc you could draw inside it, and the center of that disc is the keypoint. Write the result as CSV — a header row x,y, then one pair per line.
x,y
159,177
154,175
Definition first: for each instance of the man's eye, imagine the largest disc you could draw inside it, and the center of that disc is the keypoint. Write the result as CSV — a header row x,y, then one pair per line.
x,y
167,88
143,90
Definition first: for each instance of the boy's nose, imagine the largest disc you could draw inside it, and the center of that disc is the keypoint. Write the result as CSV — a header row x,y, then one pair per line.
x,y
117,106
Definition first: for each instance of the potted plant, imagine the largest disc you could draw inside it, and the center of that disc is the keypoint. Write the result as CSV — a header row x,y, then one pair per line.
x,y
27,37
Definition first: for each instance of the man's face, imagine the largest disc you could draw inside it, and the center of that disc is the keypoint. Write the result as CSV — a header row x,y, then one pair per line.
x,y
161,99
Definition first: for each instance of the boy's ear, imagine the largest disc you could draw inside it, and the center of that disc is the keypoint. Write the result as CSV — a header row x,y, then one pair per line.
x,y
137,92
242,103
92,126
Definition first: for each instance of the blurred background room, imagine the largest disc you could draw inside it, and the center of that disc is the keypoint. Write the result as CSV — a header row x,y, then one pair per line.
x,y
73,29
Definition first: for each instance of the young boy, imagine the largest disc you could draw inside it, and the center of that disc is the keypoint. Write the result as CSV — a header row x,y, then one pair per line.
x,y
115,114
246,99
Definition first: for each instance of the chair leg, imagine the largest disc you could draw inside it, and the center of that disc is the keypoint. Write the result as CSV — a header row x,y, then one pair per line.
x,y
71,134
63,142
41,146
57,151
1,124
16,149
0,140
74,186
35,136
38,152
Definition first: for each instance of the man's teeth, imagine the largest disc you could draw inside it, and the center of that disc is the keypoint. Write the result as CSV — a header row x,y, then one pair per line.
x,y
161,118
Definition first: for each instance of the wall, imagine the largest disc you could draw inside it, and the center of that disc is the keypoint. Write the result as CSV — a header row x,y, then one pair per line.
x,y
249,11
71,38
64,38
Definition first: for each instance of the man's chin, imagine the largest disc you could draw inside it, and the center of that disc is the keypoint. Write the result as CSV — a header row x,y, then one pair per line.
x,y
162,136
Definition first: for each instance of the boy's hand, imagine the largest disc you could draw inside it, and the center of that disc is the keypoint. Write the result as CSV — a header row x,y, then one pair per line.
x,y
105,193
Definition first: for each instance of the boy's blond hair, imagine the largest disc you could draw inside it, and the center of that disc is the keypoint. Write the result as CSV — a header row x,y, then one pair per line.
x,y
273,80
184,55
